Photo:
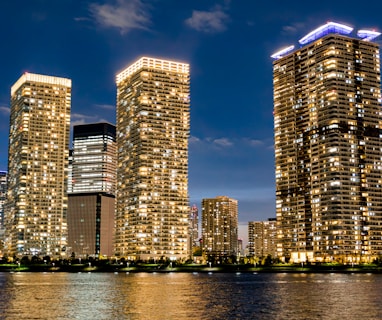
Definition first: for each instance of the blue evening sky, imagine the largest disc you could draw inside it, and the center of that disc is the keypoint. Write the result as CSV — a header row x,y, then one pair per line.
x,y
228,46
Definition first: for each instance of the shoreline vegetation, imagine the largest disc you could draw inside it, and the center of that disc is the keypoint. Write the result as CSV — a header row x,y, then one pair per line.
x,y
126,267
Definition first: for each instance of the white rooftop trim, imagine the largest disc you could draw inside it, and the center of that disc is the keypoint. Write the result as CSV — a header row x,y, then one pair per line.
x,y
279,54
368,35
329,27
153,63
40,79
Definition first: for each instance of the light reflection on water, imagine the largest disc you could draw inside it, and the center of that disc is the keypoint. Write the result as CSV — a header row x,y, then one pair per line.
x,y
189,296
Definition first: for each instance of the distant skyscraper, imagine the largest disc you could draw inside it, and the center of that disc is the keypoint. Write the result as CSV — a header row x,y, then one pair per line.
x,y
70,171
37,165
3,196
220,226
153,127
240,246
262,238
91,207
327,117
194,228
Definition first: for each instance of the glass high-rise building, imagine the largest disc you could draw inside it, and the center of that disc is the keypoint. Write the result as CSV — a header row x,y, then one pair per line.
x,y
91,206
328,142
153,127
220,226
37,165
94,158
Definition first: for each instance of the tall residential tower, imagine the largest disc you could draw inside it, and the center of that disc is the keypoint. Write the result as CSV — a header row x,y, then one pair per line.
x,y
220,226
153,126
327,126
37,165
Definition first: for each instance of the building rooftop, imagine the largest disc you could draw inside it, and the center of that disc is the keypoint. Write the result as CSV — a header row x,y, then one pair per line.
x,y
325,29
41,79
330,27
153,63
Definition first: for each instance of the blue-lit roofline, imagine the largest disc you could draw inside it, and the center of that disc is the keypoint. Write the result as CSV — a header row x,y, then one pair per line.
x,y
279,54
330,27
368,35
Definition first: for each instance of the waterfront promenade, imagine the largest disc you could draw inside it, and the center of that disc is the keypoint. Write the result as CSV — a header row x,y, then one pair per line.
x,y
97,266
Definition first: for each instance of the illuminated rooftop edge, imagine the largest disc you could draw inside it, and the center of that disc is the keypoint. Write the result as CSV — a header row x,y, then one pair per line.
x,y
159,64
330,27
279,54
41,79
368,35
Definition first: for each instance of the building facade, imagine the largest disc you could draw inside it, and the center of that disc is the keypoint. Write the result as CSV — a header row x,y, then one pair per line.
x,y
220,226
3,197
262,238
91,224
153,127
94,158
36,204
193,242
91,198
327,126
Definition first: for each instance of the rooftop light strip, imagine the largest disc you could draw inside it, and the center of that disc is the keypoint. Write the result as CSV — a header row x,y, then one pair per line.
x,y
158,64
368,35
39,78
330,27
279,54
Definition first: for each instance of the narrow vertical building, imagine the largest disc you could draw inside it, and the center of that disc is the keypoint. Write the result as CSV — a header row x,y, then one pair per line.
x,y
153,127
220,227
193,229
37,166
3,197
91,207
327,126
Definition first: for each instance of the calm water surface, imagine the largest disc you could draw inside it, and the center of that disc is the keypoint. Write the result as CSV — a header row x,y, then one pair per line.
x,y
189,296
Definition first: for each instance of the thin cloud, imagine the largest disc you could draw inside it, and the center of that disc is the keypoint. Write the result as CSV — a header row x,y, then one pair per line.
x,y
77,122
81,116
223,142
212,21
124,15
105,120
193,139
293,28
78,118
226,142
5,110
79,19
105,106
208,142
254,142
